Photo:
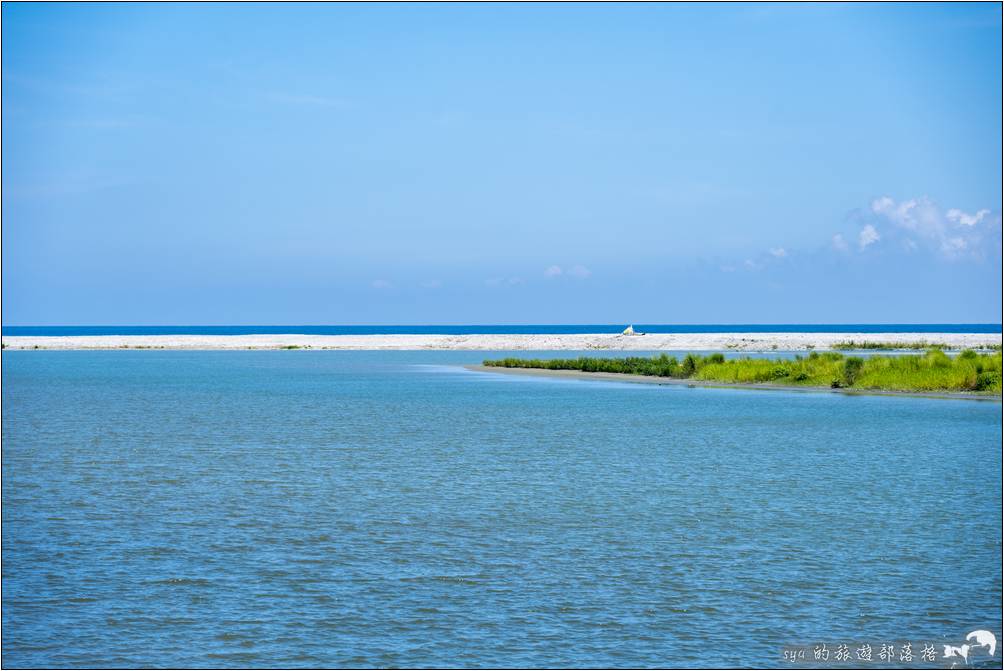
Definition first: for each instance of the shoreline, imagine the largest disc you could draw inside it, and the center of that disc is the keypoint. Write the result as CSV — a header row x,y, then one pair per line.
x,y
738,342
673,382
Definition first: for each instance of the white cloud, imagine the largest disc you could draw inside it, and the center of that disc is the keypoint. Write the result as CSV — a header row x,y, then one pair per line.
x,y
963,219
552,271
883,205
917,215
867,236
953,233
918,227
381,284
431,284
580,272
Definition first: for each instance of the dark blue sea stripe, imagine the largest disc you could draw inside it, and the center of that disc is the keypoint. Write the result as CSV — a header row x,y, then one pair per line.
x,y
465,329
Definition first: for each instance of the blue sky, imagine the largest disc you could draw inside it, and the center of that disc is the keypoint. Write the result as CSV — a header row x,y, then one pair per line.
x,y
325,164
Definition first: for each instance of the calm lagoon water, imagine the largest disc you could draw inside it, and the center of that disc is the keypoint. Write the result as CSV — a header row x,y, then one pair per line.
x,y
392,509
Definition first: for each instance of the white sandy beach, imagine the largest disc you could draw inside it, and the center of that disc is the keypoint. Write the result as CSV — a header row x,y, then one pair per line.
x,y
499,342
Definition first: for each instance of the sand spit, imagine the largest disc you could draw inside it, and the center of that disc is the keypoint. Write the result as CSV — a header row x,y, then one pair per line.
x,y
746,342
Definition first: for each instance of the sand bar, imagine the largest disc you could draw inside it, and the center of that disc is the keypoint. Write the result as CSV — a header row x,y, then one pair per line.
x,y
666,381
746,342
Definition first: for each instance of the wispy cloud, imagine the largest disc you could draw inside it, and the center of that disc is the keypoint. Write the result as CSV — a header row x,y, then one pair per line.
x,y
577,271
381,284
308,100
62,185
431,284
504,281
868,236
778,252
105,123
96,87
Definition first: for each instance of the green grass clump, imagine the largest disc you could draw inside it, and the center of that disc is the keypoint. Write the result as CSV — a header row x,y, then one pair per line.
x,y
932,371
661,366
864,345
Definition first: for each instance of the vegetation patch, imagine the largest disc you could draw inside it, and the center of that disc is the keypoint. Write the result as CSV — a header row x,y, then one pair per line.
x,y
845,345
932,371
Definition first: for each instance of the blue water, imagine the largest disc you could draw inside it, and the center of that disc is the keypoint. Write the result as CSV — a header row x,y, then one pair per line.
x,y
496,328
305,508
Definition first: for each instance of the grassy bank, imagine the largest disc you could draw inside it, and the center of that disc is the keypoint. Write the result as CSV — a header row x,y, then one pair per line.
x,y
929,372
920,345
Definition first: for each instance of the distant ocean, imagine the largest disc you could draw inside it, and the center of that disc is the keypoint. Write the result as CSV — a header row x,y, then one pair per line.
x,y
464,329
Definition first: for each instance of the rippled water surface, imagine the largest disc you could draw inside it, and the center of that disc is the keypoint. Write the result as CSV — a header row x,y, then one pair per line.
x,y
365,508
